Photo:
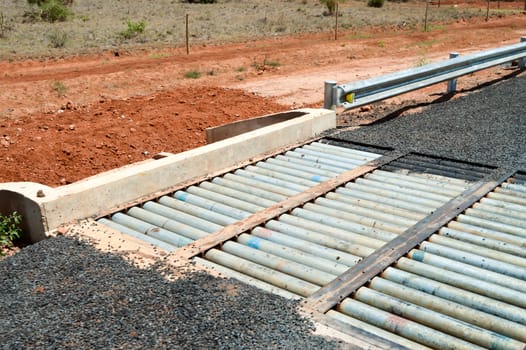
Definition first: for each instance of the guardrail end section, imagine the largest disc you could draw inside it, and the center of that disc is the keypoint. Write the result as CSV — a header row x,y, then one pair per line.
x,y
522,61
328,101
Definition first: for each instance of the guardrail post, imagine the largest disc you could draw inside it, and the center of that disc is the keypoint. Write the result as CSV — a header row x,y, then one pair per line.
x,y
328,102
522,61
452,84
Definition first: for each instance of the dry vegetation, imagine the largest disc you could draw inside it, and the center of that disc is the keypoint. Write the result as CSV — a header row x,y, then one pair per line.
x,y
99,24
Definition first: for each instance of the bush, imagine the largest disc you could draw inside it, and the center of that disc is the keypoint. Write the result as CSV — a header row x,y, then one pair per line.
x,y
375,3
50,10
133,29
9,229
193,74
58,38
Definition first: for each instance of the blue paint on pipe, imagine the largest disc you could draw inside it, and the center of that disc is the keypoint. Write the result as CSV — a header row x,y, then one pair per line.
x,y
418,255
181,196
316,178
254,242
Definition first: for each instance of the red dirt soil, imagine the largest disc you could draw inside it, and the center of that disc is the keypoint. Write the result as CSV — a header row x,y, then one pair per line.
x,y
65,119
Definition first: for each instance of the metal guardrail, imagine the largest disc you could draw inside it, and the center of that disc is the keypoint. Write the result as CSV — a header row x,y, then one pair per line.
x,y
363,92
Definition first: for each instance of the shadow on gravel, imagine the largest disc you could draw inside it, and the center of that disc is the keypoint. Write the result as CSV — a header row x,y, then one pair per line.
x,y
63,293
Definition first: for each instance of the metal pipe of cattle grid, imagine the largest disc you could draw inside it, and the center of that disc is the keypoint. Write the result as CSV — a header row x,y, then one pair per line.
x,y
390,216
193,212
451,309
476,249
342,158
281,176
479,231
237,194
460,174
347,246
455,294
437,321
514,187
311,169
211,205
277,263
251,190
504,196
151,230
321,160
474,259
348,153
276,278
412,203
376,331
361,235
287,170
246,279
359,219
179,216
260,185
401,326
235,203
493,225
424,179
494,207
310,164
407,182
307,246
190,214
497,221
482,240
506,206
363,182
271,180
292,254
170,225
474,284
388,208
130,232
366,229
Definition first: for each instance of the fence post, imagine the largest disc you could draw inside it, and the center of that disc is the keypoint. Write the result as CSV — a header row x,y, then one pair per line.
x,y
452,84
522,61
328,102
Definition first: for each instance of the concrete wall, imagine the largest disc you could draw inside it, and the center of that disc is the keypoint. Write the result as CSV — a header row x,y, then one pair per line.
x,y
92,196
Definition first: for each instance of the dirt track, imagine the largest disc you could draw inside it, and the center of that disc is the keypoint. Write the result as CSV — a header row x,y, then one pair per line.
x,y
108,110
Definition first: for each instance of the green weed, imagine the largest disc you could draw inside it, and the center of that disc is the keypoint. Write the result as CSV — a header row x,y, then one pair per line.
x,y
9,229
59,88
133,29
192,74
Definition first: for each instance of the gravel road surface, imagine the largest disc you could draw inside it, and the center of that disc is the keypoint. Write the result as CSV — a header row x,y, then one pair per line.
x,y
62,293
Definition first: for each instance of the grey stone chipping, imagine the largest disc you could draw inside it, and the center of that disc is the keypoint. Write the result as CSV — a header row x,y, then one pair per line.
x,y
62,293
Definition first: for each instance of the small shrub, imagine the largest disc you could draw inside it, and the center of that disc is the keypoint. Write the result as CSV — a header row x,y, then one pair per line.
x,y
273,64
375,3
4,27
58,38
9,229
54,11
193,74
331,6
59,88
48,10
133,29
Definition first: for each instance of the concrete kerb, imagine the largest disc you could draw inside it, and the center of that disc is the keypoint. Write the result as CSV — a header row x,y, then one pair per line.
x,y
53,207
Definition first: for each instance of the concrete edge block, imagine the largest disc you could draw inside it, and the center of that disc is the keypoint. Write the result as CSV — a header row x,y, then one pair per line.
x,y
92,196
